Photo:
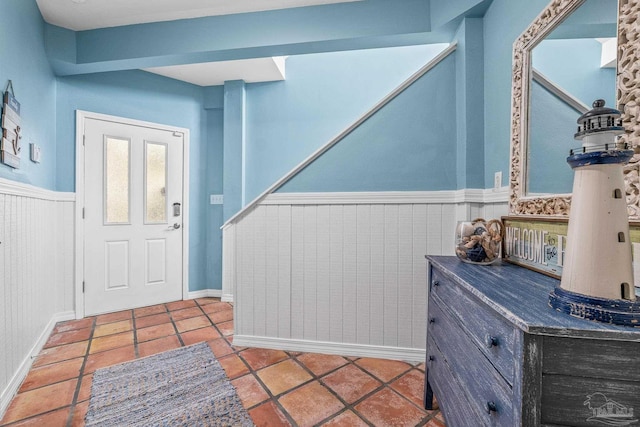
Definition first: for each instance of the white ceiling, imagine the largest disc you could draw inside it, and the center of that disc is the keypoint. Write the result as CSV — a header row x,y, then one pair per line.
x,y
216,73
79,15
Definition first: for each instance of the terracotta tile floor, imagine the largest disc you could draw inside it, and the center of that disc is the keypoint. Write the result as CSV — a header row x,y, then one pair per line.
x,y
278,388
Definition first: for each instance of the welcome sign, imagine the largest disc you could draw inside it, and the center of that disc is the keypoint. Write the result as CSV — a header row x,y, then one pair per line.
x,y
536,244
539,244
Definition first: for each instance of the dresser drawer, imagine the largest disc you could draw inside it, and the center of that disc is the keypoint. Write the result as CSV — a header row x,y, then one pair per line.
x,y
453,401
490,332
487,391
579,375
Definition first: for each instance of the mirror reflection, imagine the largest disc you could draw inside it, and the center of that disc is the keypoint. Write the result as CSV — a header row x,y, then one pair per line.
x,y
571,67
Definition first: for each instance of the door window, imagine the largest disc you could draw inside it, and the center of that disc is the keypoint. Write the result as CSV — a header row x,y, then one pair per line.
x,y
117,152
155,208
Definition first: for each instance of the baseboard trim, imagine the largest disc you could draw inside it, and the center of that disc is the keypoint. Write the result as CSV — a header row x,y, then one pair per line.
x,y
205,293
12,388
358,350
227,298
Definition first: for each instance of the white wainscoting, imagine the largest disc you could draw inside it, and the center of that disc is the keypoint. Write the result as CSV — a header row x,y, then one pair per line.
x,y
342,272
36,275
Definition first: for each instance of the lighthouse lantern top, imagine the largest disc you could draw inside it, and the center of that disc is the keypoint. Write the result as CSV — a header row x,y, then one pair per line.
x,y
600,119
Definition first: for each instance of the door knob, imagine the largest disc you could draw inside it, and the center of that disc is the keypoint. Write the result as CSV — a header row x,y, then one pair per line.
x,y
174,226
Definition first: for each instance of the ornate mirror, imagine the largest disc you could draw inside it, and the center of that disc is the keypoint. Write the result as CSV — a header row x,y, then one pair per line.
x,y
541,137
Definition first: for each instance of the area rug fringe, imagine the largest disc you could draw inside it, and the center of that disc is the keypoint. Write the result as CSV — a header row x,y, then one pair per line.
x,y
182,387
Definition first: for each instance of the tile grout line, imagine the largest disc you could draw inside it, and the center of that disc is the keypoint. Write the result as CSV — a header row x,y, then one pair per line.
x,y
318,378
74,401
136,352
387,384
175,327
272,398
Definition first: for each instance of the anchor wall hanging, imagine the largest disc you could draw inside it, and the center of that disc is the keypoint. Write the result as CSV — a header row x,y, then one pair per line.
x,y
10,148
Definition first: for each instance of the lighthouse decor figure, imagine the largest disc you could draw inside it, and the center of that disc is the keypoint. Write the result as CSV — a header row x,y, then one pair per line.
x,y
597,276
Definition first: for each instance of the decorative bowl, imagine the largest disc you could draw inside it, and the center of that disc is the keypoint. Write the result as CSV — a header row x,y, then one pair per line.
x,y
479,241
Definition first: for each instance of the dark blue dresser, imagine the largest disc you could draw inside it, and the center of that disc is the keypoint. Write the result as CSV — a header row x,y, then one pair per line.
x,y
498,355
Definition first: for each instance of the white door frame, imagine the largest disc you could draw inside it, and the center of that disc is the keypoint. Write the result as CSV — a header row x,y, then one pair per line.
x,y
81,116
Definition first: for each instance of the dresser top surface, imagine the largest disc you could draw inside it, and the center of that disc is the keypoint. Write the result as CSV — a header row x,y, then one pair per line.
x,y
522,296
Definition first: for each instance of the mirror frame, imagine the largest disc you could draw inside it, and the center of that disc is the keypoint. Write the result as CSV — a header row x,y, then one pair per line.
x,y
627,100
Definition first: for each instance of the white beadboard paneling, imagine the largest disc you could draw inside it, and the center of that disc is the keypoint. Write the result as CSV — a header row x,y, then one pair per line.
x,y
349,275
495,210
434,229
36,274
336,262
405,276
283,308
448,225
419,276
65,261
475,211
310,266
229,263
4,296
271,270
323,267
257,276
297,272
363,273
245,284
376,292
343,275
391,254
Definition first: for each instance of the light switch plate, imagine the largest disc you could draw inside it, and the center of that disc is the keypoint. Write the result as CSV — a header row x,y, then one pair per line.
x,y
497,180
36,152
216,199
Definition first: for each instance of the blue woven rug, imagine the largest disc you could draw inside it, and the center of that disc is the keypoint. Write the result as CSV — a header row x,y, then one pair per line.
x,y
182,387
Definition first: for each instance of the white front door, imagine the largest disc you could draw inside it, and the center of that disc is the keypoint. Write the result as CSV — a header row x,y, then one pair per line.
x,y
132,216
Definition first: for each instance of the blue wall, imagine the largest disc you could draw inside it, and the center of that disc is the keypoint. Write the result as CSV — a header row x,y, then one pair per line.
x,y
469,104
214,185
24,63
574,65
504,21
553,124
406,146
322,96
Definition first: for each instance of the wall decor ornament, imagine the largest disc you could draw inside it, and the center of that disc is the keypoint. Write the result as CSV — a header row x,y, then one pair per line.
x,y
11,130
628,102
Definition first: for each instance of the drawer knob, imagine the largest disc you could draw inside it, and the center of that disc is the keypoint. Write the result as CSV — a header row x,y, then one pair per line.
x,y
491,407
431,358
491,341
432,320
